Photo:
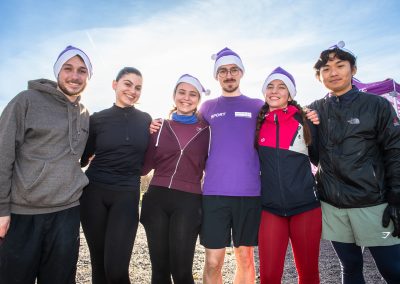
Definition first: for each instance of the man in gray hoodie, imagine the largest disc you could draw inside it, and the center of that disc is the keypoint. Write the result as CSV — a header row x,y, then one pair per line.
x,y
43,132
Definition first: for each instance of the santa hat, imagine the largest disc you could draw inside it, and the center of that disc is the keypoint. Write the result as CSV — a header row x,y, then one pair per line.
x,y
65,55
281,74
187,78
340,45
225,57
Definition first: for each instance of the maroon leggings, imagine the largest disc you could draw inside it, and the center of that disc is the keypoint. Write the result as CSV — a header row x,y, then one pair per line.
x,y
304,232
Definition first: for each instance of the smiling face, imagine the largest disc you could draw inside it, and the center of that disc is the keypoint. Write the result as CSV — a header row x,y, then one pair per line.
x,y
127,90
277,95
186,98
73,77
336,75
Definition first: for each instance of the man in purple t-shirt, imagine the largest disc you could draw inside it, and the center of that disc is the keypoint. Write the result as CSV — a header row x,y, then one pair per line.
x,y
231,205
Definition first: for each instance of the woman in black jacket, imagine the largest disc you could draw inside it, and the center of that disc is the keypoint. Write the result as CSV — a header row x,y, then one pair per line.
x,y
118,139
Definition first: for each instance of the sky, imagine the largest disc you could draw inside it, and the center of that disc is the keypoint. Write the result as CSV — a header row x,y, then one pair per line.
x,y
165,39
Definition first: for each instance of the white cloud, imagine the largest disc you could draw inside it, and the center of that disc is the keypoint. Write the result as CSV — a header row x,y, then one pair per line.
x,y
266,34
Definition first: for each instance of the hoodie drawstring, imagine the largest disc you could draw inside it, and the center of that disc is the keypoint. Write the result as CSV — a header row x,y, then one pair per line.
x,y
159,132
71,112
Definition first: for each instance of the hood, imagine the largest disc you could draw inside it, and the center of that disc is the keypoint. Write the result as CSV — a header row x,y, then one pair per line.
x,y
49,87
74,109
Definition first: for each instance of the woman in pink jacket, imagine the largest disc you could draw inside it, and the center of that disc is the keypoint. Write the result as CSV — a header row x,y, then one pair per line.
x,y
286,142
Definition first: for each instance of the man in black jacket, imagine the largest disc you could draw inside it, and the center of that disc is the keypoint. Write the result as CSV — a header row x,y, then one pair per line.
x,y
358,175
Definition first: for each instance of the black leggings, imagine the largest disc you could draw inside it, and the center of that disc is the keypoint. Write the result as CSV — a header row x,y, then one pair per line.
x,y
172,220
387,259
109,220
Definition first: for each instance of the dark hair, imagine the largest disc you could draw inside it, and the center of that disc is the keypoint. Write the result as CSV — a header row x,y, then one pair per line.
x,y
127,70
306,128
330,54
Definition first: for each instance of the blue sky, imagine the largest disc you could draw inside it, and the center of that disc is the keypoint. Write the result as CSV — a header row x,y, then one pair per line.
x,y
165,39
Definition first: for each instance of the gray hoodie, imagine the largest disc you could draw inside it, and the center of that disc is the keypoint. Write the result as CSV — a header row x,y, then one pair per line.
x,y
42,137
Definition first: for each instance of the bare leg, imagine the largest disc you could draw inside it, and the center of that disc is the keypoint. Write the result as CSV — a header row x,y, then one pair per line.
x,y
245,272
212,273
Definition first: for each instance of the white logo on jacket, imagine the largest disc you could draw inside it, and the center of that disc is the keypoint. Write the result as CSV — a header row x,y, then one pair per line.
x,y
354,121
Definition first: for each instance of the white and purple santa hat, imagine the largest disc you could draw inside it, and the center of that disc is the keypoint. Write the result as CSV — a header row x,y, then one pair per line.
x,y
65,55
340,45
187,78
281,74
224,57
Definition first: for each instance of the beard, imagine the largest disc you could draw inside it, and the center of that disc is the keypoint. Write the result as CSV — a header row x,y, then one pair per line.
x,y
71,93
230,90
230,86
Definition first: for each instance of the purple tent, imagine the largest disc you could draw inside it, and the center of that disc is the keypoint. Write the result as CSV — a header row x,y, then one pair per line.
x,y
388,89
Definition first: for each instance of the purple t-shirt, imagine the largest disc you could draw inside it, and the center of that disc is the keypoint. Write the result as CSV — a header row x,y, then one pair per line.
x,y
232,168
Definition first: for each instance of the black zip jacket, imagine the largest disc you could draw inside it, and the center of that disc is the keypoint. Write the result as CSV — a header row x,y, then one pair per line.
x,y
118,140
359,150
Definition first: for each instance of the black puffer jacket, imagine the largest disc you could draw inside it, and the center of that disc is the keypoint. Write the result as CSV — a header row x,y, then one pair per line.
x,y
359,150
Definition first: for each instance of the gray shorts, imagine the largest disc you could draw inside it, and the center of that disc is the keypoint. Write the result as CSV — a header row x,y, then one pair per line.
x,y
362,226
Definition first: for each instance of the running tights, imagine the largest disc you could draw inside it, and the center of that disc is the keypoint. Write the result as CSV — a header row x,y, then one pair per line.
x,y
387,259
171,219
304,232
109,220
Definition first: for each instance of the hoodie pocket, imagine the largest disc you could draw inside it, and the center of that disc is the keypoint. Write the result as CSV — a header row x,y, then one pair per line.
x,y
40,183
32,175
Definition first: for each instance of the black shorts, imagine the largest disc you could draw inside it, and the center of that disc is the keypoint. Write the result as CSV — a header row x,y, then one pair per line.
x,y
230,217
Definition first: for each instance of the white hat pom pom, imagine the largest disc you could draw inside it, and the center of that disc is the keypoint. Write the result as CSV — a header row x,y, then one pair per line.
x,y
214,56
340,44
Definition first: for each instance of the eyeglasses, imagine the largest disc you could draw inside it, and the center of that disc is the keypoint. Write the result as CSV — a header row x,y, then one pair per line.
x,y
224,72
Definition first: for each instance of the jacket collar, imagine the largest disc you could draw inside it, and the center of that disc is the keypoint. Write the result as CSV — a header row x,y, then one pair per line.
x,y
346,98
281,114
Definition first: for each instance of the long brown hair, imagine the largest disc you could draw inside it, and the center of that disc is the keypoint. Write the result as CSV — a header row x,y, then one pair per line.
x,y
306,128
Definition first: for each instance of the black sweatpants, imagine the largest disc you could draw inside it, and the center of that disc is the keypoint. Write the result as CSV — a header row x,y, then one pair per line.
x,y
109,220
43,247
172,221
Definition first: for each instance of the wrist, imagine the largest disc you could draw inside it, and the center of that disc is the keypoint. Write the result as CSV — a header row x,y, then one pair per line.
x,y
393,198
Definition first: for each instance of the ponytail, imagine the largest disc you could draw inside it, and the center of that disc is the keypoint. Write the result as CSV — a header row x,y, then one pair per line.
x,y
306,128
260,120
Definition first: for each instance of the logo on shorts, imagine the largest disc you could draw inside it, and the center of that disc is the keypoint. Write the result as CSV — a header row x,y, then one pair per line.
x,y
385,235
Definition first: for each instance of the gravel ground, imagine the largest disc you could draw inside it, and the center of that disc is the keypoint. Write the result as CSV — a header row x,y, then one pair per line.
x,y
140,270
